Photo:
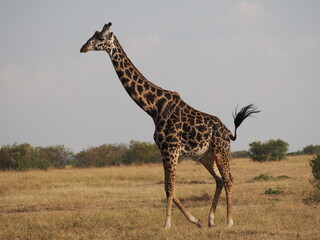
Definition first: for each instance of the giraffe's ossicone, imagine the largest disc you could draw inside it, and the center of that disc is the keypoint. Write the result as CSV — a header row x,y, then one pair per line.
x,y
179,128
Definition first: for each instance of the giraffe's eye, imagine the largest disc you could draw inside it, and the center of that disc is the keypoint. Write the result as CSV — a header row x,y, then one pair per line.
x,y
98,36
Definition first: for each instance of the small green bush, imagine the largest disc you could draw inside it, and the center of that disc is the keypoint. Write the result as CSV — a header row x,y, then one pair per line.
x,y
271,191
315,167
240,154
281,177
262,177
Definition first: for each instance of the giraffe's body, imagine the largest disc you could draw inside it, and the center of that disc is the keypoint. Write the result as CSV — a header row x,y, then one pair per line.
x,y
179,128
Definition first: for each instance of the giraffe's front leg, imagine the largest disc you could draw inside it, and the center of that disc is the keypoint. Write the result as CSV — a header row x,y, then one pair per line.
x,y
169,173
190,218
170,160
171,197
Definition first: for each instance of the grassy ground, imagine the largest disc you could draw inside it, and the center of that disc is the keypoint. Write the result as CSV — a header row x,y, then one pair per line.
x,y
129,203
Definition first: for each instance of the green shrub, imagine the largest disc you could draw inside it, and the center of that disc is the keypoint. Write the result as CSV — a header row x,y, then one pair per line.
x,y
58,156
262,177
271,191
240,154
104,155
268,151
311,149
21,157
315,167
24,156
296,153
282,177
142,152
117,154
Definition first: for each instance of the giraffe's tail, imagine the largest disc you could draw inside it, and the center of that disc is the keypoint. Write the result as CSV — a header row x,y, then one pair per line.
x,y
240,116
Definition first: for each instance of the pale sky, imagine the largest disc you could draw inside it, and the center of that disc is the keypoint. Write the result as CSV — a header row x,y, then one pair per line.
x,y
216,54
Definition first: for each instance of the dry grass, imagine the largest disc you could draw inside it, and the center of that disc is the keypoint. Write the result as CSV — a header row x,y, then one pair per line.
x,y
128,203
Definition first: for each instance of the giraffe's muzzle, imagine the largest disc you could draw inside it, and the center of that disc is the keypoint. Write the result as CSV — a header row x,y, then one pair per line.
x,y
84,49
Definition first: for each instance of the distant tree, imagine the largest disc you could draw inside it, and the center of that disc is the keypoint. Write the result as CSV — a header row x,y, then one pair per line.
x,y
311,149
21,157
268,151
104,155
142,152
240,154
114,154
256,151
298,152
277,149
58,156
315,167
6,159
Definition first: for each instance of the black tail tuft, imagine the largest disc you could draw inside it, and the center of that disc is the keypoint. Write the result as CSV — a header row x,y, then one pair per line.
x,y
242,115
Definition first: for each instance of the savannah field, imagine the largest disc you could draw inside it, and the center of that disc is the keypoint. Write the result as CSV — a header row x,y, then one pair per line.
x,y
128,202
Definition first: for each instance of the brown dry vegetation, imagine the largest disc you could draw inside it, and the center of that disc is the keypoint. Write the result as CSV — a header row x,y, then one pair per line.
x,y
129,203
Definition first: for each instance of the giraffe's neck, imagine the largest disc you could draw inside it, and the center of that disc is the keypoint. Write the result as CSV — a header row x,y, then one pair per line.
x,y
147,95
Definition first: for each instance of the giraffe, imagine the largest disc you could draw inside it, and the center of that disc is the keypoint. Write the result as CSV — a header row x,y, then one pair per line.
x,y
180,130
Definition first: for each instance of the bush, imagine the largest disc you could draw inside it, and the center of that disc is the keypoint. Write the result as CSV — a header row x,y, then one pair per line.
x,y
58,155
264,177
311,149
240,154
142,152
271,191
104,155
24,156
315,167
21,157
114,154
268,151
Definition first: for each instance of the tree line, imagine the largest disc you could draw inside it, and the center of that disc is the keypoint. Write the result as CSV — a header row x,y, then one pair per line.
x,y
118,154
25,156
273,150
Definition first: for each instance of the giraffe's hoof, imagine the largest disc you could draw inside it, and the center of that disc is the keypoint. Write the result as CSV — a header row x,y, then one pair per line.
x,y
210,225
211,220
166,227
230,223
199,223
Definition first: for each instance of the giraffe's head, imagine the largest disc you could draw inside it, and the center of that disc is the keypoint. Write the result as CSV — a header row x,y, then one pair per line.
x,y
100,41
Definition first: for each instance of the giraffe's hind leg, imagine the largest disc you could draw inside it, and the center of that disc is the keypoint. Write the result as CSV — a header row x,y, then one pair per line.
x,y
222,160
209,163
170,160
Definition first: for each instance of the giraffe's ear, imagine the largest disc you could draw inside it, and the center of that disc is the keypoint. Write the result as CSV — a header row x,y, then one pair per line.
x,y
106,28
